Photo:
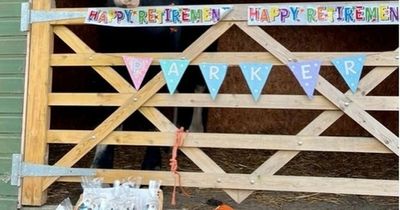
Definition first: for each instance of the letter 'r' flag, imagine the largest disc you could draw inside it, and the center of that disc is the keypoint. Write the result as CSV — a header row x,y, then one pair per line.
x,y
350,68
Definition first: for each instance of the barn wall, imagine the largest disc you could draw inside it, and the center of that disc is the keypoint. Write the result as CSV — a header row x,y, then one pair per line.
x,y
12,66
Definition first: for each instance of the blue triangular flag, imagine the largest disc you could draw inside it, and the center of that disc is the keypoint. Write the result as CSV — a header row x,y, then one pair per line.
x,y
350,68
306,72
256,75
173,71
214,74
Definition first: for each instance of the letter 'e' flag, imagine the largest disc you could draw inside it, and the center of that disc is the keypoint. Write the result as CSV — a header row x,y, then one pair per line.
x,y
307,73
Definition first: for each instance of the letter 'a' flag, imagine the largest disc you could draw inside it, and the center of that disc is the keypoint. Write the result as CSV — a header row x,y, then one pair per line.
x,y
173,71
350,68
214,75
137,68
256,76
306,73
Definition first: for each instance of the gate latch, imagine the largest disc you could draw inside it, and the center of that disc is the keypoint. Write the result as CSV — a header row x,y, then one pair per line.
x,y
21,169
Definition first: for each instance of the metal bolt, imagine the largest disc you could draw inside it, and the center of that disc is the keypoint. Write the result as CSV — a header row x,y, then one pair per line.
x,y
183,58
91,58
300,143
252,181
135,99
219,180
386,142
397,57
346,103
93,137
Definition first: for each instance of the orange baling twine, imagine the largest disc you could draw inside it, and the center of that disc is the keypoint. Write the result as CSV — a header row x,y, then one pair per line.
x,y
173,162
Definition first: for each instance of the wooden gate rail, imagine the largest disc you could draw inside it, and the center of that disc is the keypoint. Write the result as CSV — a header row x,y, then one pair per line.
x,y
260,182
238,186
236,141
231,58
267,101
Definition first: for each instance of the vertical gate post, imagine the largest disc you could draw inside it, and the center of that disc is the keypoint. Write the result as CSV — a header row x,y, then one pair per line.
x,y
38,111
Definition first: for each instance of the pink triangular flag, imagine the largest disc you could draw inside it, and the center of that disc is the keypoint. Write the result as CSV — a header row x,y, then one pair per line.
x,y
137,68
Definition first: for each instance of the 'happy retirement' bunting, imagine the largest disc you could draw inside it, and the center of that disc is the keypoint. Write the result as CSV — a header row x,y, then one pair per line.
x,y
157,15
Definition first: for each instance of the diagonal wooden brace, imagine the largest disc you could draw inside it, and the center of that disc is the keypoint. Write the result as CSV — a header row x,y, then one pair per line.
x,y
104,129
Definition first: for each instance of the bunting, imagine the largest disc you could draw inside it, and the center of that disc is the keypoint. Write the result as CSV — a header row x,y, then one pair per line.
x,y
173,71
214,75
350,68
256,76
306,72
137,68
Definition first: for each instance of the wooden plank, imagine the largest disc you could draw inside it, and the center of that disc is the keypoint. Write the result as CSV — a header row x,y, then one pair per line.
x,y
9,202
267,101
11,104
5,176
236,141
37,110
10,9
12,85
5,164
320,124
10,27
9,144
108,125
109,74
132,104
13,46
261,182
12,65
10,123
278,160
231,58
353,110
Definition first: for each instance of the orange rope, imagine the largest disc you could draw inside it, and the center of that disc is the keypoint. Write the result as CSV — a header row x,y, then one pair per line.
x,y
173,162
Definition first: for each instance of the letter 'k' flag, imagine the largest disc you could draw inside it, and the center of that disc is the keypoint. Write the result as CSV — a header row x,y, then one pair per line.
x,y
307,73
350,68
256,76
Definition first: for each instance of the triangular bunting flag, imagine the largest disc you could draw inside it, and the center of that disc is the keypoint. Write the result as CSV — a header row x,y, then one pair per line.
x,y
306,72
214,75
137,68
350,68
173,71
256,76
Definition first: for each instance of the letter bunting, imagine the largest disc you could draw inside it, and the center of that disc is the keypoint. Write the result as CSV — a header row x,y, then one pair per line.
x,y
256,74
214,75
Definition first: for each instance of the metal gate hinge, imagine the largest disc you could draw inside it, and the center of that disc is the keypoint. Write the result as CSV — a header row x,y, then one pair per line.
x,y
21,169
29,16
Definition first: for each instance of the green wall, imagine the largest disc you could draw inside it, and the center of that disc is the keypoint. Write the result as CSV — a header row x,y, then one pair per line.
x,y
12,67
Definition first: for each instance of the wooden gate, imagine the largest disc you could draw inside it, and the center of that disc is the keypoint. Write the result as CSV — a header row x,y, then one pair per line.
x,y
333,102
